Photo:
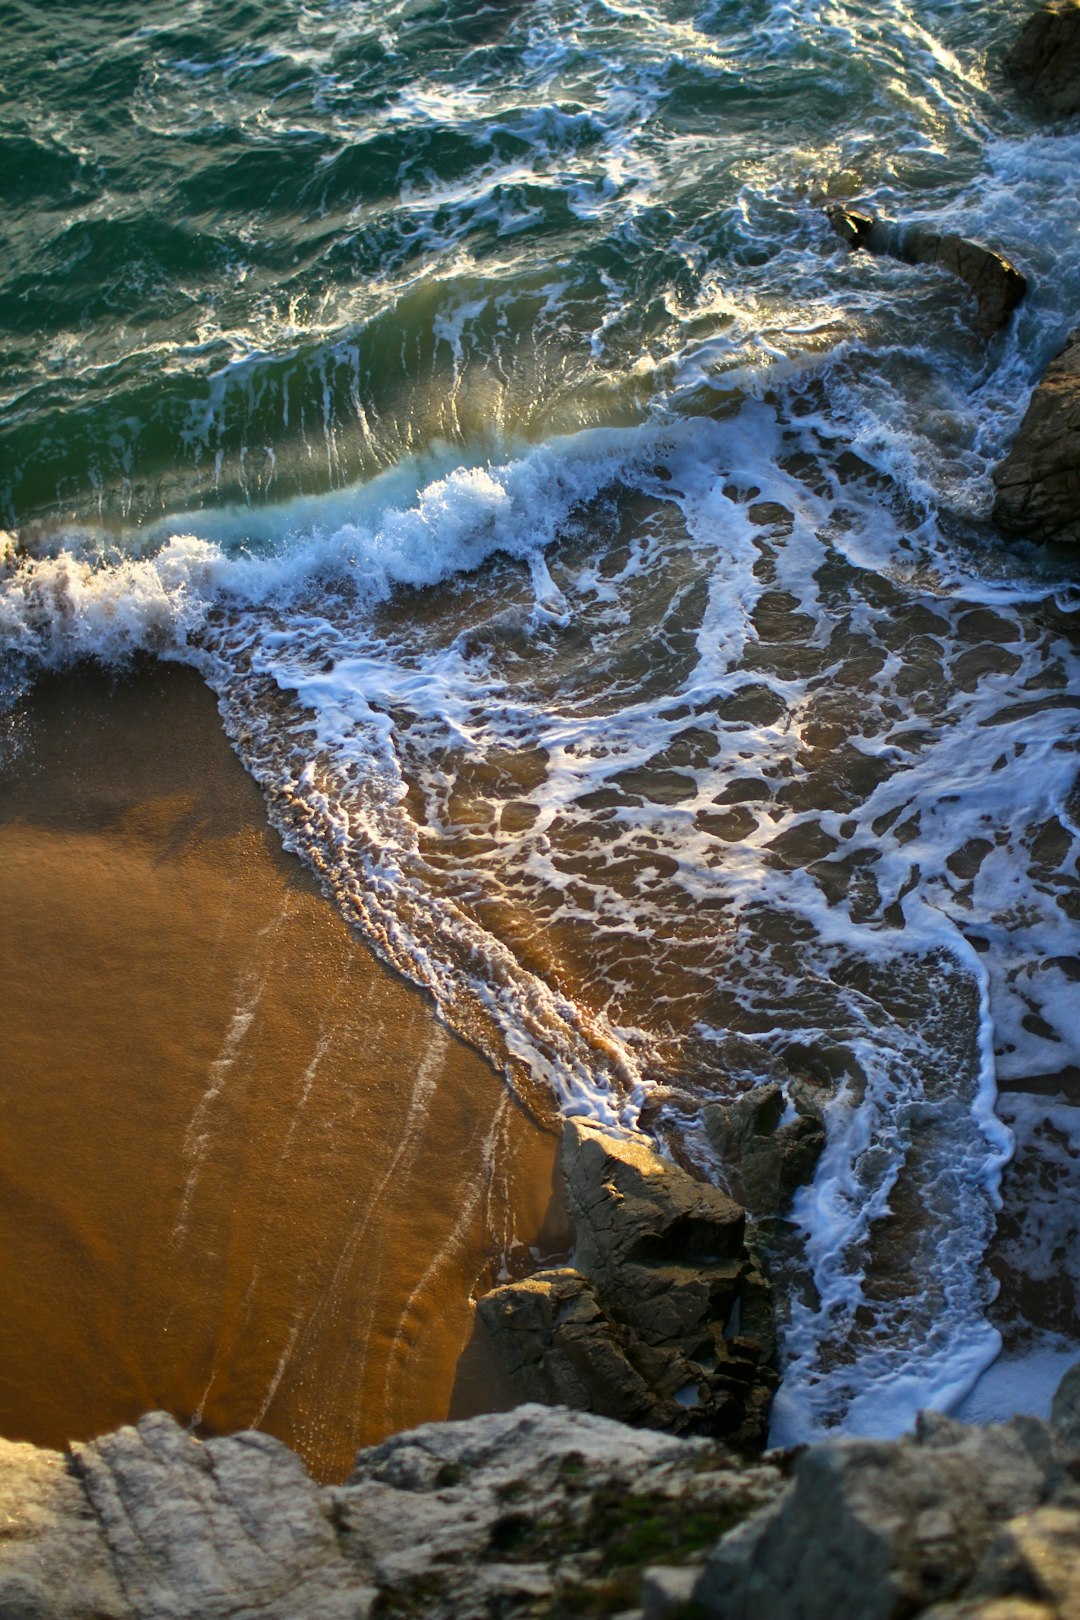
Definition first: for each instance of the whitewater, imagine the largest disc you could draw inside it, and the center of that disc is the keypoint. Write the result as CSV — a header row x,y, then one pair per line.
x,y
591,558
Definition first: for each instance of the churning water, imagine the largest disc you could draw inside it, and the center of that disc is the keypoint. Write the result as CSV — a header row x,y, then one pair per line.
x,y
590,555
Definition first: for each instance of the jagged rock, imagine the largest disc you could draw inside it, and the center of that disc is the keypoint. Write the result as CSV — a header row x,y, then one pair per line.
x,y
222,1529
54,1559
885,1528
1045,61
452,1521
1038,483
547,1512
996,285
665,1319
765,1161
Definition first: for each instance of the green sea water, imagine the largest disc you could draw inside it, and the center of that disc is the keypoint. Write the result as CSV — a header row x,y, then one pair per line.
x,y
591,555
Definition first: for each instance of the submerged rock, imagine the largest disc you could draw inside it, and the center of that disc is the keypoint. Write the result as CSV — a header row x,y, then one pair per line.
x,y
665,1320
1045,61
1038,483
995,284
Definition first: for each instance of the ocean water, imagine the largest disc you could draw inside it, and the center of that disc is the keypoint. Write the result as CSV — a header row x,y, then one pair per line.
x,y
591,557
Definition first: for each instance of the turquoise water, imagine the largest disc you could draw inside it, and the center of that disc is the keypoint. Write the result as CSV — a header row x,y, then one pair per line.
x,y
590,555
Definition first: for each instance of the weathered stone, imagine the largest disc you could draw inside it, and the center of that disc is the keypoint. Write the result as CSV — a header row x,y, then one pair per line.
x,y
490,1515
630,1206
665,1320
1045,61
54,1558
1038,483
881,1529
996,285
228,1528
558,1345
764,1160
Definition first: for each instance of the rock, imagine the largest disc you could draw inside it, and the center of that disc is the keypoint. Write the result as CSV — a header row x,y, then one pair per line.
x,y
663,1321
545,1511
765,1161
995,284
666,1593
512,1512
1038,483
884,1528
54,1558
503,1514
1045,61
225,1528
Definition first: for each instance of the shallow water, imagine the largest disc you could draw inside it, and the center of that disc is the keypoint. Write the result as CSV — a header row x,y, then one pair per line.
x,y
591,556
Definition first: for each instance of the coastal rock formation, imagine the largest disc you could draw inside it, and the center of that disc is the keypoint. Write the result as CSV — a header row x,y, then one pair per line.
x,y
547,1512
502,1514
1045,61
947,1523
664,1319
765,1160
996,285
1038,483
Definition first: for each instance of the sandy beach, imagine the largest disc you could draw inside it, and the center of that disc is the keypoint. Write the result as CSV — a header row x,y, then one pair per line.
x,y
245,1174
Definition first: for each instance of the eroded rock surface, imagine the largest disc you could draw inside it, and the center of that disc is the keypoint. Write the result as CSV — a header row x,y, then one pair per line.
x,y
545,1512
996,285
949,1522
664,1319
505,1514
765,1160
1045,61
1038,483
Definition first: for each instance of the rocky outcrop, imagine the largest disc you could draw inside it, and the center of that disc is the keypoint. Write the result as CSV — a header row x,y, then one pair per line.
x,y
1045,61
547,1512
765,1160
664,1319
506,1514
996,285
951,1522
1038,483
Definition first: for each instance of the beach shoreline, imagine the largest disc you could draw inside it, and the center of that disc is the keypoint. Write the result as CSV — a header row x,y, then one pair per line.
x,y
246,1174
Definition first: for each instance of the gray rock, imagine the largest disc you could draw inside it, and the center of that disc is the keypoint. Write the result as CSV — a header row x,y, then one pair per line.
x,y
666,1592
1038,483
517,1513
665,1319
882,1529
54,1558
765,1161
225,1528
996,285
1045,61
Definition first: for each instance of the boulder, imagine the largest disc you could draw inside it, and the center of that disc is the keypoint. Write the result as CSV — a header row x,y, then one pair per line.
x,y
764,1160
996,285
539,1510
1038,483
665,1319
1045,61
884,1529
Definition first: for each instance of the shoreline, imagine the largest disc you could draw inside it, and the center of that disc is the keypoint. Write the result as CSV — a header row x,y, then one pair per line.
x,y
246,1174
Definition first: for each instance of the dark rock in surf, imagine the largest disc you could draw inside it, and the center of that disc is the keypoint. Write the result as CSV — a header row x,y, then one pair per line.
x,y
666,1320
1045,61
765,1161
1038,483
996,285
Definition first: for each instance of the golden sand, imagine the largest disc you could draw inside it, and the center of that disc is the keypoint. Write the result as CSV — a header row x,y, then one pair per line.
x,y
245,1174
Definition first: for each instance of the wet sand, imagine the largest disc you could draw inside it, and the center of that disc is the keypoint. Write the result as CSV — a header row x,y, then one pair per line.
x,y
245,1174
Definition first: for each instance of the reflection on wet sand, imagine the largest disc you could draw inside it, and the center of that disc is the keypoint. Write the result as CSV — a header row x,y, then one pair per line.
x,y
245,1175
